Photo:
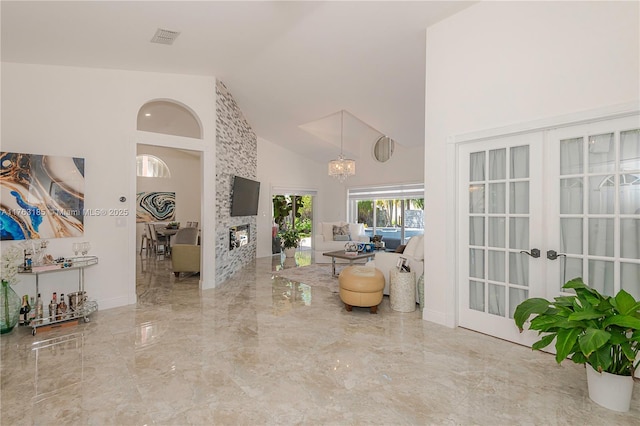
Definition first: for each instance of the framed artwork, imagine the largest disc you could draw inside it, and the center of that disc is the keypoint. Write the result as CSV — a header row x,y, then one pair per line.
x,y
42,196
155,206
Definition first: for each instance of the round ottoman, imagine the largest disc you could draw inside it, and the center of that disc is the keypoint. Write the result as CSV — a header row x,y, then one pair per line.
x,y
361,286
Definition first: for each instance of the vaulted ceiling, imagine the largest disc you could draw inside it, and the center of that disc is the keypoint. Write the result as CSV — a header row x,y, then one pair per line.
x,y
286,63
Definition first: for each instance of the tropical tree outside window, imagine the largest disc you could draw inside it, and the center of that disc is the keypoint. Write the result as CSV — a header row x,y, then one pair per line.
x,y
151,166
396,213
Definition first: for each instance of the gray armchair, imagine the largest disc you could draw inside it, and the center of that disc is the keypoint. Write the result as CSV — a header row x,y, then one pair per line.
x,y
185,251
185,258
186,236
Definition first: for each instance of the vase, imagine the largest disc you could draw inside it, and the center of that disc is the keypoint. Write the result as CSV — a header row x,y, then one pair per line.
x,y
290,252
9,308
609,390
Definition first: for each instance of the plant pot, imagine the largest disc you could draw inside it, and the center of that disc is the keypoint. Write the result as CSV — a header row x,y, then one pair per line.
x,y
290,252
609,390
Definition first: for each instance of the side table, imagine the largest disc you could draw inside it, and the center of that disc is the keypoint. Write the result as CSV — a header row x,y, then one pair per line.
x,y
402,290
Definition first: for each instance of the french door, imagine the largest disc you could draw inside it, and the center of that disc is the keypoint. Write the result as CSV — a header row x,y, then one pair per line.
x,y
538,209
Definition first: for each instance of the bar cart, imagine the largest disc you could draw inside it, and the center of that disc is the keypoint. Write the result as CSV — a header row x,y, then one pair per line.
x,y
81,310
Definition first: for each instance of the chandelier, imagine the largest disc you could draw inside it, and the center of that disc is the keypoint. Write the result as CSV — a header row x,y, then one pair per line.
x,y
342,168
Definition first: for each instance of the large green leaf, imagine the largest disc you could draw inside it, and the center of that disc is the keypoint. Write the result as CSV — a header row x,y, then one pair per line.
x,y
566,301
565,341
624,303
601,359
527,308
579,358
585,315
592,340
544,342
625,321
618,335
581,288
551,322
628,351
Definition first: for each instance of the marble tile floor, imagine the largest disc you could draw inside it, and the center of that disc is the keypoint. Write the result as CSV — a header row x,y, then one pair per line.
x,y
261,350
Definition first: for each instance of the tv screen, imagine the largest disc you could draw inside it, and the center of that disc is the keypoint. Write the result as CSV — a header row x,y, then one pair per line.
x,y
244,197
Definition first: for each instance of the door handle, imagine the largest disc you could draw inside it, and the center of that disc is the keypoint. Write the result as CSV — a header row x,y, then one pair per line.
x,y
553,255
535,253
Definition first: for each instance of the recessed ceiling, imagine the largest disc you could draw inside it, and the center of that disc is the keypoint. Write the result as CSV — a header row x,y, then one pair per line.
x,y
286,63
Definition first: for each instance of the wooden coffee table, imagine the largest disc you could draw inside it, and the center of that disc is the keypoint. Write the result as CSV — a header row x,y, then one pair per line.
x,y
341,254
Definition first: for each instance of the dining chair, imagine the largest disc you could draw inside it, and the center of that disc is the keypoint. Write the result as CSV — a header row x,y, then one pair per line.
x,y
158,240
145,242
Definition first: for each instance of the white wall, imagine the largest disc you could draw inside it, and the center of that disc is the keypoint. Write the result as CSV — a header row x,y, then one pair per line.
x,y
502,63
278,166
91,113
184,181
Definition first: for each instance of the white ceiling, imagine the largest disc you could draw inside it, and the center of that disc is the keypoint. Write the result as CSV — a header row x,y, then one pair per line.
x,y
286,63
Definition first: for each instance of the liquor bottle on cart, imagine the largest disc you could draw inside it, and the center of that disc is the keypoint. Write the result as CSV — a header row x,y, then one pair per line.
x,y
62,308
24,311
39,307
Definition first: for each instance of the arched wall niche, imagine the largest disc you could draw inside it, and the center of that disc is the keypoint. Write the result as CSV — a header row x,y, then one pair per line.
x,y
169,117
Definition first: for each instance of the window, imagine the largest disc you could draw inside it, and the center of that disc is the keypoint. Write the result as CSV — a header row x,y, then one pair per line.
x,y
170,118
394,212
151,166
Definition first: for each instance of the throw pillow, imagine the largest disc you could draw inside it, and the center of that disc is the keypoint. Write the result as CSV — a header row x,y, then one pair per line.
x,y
327,230
340,230
400,248
341,238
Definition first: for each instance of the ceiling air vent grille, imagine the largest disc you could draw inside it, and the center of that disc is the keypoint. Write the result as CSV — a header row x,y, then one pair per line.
x,y
165,36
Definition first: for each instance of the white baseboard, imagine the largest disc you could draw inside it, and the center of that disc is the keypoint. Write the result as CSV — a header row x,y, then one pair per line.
x,y
435,316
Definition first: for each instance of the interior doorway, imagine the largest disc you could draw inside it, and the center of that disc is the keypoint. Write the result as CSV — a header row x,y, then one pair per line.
x,y
172,130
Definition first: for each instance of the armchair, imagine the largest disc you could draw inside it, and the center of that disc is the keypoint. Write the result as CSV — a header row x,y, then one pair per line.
x,y
185,258
413,252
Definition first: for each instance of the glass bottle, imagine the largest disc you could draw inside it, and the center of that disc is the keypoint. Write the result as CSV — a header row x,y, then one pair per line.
x,y
27,260
52,310
62,308
39,307
32,312
24,310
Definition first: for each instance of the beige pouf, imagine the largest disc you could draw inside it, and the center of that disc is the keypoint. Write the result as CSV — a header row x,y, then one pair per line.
x,y
361,286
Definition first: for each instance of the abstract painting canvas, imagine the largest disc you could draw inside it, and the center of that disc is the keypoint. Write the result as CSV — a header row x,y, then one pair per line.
x,y
155,206
41,196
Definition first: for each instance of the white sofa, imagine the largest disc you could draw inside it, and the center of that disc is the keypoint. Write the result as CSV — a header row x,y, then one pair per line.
x,y
413,252
324,239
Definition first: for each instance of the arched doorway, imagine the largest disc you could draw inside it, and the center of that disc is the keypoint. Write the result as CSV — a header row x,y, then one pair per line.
x,y
172,132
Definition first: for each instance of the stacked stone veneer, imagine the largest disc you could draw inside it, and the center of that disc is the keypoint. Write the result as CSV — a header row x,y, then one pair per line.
x,y
236,155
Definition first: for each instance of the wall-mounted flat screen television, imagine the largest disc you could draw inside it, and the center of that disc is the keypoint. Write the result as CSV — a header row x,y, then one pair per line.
x,y
244,197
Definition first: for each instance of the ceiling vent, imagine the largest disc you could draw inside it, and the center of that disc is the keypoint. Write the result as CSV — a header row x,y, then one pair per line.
x,y
165,36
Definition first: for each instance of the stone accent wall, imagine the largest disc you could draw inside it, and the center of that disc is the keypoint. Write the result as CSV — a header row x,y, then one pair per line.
x,y
236,155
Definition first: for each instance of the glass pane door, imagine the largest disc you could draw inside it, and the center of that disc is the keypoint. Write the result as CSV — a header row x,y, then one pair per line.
x,y
498,219
598,215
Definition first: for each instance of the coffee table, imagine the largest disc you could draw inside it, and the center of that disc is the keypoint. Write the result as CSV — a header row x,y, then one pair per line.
x,y
341,254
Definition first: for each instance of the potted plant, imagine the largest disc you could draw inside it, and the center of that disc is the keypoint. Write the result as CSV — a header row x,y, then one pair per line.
x,y
590,328
290,240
